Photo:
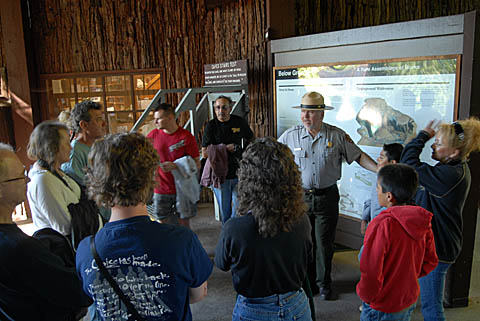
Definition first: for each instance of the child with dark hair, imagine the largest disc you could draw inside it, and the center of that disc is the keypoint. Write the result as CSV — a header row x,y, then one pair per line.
x,y
390,154
398,248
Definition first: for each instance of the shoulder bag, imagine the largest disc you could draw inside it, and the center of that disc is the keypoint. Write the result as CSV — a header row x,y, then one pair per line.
x,y
131,309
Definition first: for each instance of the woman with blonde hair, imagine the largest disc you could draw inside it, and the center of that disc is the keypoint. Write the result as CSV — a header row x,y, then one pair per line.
x,y
443,190
64,118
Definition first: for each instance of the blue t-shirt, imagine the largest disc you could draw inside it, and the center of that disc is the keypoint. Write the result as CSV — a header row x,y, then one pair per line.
x,y
371,207
154,264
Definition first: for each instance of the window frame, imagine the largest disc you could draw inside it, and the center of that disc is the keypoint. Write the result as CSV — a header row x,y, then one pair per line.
x,y
49,98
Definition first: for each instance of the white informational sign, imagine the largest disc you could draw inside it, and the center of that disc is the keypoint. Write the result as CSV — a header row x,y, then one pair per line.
x,y
375,103
226,73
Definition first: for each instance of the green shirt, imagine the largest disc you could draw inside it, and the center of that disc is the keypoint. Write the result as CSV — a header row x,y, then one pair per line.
x,y
76,167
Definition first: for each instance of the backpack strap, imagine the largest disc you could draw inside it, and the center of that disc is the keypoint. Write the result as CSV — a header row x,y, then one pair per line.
x,y
131,309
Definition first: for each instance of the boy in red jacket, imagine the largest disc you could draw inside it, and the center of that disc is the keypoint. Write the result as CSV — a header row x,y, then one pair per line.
x,y
398,249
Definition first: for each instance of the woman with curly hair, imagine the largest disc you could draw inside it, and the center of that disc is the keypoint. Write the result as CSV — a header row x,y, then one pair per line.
x,y
161,268
268,245
443,191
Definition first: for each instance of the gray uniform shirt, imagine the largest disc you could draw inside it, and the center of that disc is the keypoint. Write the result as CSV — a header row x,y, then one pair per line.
x,y
320,158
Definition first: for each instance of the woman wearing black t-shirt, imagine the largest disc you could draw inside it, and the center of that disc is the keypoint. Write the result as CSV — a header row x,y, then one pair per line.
x,y
268,246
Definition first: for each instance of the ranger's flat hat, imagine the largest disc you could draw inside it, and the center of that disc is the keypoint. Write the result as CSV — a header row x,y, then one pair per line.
x,y
313,101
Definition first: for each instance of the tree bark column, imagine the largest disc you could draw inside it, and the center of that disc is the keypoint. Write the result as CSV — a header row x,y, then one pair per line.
x,y
17,74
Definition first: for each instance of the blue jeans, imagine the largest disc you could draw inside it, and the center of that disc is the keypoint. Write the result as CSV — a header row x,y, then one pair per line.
x,y
286,306
432,287
369,314
227,198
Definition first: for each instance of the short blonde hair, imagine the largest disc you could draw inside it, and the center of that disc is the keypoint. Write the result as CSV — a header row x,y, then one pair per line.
x,y
463,135
64,118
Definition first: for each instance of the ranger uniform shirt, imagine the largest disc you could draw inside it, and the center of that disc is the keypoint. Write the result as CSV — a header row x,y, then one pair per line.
x,y
320,159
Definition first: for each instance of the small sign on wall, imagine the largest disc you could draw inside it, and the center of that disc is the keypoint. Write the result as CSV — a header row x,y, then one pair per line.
x,y
226,73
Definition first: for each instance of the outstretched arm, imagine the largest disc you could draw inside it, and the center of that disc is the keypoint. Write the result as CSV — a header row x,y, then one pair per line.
x,y
367,162
363,160
435,179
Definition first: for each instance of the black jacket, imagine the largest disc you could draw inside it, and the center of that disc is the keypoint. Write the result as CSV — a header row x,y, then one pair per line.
x,y
36,284
442,190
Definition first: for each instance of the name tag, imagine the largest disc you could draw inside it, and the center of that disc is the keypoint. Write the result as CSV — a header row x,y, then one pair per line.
x,y
235,130
296,149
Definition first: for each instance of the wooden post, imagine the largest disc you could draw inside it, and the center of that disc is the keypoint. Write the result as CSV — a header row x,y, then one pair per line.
x,y
17,71
457,284
280,19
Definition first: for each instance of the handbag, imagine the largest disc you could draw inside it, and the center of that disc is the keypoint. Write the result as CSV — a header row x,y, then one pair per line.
x,y
85,215
86,219
130,308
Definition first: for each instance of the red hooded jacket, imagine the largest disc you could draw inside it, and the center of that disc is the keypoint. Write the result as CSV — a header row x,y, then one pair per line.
x,y
398,249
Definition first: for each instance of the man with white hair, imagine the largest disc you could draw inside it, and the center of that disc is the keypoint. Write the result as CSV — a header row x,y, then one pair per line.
x,y
234,132
319,150
34,283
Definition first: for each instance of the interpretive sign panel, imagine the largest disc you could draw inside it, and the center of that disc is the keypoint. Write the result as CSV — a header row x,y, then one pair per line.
x,y
375,102
226,73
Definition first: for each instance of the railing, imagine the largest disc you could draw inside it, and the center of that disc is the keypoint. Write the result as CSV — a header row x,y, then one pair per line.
x,y
21,213
203,111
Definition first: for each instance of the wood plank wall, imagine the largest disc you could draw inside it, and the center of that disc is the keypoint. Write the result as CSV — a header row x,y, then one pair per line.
x,y
6,129
2,57
316,16
179,36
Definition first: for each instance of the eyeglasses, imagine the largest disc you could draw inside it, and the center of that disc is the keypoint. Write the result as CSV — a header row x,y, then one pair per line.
x,y
24,177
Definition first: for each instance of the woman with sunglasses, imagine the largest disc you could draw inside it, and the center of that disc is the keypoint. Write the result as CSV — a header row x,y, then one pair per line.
x,y
443,189
50,191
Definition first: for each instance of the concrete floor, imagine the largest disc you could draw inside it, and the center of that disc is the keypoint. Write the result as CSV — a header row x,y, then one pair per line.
x,y
221,297
218,305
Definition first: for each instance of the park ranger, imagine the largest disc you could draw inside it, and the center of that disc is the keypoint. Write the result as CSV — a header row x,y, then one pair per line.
x,y
319,150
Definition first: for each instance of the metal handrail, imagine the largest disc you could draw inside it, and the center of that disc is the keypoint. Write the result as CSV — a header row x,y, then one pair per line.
x,y
200,112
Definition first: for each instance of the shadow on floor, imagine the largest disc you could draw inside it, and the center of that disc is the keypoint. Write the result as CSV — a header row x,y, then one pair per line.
x,y
218,305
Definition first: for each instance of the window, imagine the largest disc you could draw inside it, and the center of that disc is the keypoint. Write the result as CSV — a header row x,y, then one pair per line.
x,y
124,95
4,97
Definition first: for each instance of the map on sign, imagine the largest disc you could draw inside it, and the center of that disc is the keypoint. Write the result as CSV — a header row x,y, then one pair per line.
x,y
376,103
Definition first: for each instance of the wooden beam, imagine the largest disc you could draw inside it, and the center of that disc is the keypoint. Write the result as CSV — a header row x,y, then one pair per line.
x,y
457,283
280,19
17,73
